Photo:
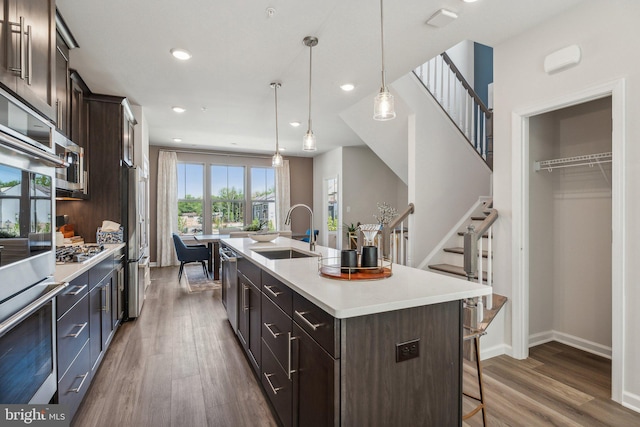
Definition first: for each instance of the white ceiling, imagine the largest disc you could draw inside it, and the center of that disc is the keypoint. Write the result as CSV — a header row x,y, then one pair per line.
x,y
238,50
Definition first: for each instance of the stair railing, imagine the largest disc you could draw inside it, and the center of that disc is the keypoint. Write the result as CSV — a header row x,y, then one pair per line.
x,y
394,239
473,249
462,104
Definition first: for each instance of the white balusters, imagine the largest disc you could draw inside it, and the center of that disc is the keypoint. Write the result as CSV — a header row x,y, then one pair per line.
x,y
459,102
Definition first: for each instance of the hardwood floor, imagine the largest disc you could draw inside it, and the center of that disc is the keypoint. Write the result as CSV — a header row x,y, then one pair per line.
x,y
180,365
557,385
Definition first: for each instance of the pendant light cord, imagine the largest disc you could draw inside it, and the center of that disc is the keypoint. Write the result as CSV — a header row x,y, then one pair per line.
x,y
384,84
310,70
275,87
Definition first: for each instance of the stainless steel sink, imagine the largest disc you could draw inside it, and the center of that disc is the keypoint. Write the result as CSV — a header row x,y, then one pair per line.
x,y
284,253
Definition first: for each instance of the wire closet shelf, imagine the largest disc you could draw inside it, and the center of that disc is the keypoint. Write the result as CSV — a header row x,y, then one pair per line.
x,y
567,162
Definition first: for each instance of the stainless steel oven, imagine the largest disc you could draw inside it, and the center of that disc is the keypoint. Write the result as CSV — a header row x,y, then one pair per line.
x,y
72,178
27,345
27,255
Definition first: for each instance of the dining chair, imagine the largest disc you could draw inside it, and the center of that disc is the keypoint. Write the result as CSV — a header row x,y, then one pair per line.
x,y
308,233
190,253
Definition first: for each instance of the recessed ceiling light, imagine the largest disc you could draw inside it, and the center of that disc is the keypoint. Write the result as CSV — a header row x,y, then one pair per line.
x,y
469,1
177,139
347,87
295,124
179,109
181,54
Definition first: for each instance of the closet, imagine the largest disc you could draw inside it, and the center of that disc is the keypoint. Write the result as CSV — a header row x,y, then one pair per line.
x,y
570,226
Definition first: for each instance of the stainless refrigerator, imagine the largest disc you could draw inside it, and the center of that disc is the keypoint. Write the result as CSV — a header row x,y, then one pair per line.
x,y
137,242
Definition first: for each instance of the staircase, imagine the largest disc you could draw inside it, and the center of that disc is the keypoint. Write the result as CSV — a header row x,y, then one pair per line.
x,y
451,259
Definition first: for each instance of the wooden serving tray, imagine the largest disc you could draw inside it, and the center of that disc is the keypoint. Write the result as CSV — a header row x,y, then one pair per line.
x,y
357,273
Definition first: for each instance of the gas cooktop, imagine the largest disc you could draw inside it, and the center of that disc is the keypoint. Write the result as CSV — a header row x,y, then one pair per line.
x,y
77,253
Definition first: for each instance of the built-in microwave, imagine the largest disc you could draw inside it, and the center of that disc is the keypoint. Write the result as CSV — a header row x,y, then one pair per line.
x,y
71,178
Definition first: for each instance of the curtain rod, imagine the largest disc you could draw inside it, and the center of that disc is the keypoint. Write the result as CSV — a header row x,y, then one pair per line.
x,y
218,153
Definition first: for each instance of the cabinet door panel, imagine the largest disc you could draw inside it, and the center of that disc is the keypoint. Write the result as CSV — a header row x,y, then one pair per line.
x,y
316,384
37,87
255,327
277,386
72,333
95,339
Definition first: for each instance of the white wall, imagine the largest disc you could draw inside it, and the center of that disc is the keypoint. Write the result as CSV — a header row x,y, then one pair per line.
x,y
607,33
367,182
462,55
446,175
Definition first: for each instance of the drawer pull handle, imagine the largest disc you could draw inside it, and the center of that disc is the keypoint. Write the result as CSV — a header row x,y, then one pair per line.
x,y
274,334
272,292
78,289
289,370
77,389
301,315
84,325
275,389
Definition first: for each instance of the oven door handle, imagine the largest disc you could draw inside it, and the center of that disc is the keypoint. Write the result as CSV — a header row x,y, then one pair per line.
x,y
36,305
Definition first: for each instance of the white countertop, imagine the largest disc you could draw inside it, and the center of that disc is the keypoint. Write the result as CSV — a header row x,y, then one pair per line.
x,y
407,287
69,271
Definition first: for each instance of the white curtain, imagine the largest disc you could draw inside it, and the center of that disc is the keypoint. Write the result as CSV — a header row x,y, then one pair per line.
x,y
167,208
283,195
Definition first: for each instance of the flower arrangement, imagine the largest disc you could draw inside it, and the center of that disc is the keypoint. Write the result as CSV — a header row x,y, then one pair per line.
x,y
385,214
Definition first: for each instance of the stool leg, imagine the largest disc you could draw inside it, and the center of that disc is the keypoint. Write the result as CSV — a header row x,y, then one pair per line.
x,y
480,385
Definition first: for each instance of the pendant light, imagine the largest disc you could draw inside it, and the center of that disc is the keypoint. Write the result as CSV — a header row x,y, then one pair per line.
x,y
276,160
383,108
309,140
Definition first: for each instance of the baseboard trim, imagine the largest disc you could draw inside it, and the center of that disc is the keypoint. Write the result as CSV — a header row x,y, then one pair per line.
x,y
570,340
496,350
631,401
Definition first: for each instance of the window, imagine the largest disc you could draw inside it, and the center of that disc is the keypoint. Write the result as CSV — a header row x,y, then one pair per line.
x,y
263,197
190,197
227,197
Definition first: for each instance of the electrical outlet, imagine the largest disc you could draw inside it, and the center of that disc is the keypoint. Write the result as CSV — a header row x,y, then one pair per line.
x,y
407,350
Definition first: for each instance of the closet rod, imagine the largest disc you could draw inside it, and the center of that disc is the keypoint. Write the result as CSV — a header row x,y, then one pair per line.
x,y
567,162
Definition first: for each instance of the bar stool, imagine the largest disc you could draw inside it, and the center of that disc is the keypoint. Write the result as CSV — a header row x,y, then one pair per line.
x,y
475,334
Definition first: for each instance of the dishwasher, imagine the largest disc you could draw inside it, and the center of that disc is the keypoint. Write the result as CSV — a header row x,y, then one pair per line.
x,y
229,263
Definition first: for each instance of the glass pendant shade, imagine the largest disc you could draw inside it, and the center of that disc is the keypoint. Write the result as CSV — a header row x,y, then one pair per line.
x,y
383,108
276,160
309,141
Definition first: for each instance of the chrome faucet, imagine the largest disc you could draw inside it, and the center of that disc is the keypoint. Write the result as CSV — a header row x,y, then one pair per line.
x,y
312,234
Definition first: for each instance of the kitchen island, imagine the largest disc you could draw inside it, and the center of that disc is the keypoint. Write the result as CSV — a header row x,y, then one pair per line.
x,y
339,352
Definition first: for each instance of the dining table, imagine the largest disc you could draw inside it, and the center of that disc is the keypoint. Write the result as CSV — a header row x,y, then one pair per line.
x,y
213,242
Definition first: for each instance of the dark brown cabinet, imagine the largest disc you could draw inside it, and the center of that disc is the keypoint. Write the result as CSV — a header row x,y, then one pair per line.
x,y
28,52
249,318
72,336
318,370
62,85
101,328
106,116
316,383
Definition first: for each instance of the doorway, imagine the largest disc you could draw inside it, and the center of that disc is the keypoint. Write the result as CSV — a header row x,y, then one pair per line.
x,y
522,168
332,213
570,227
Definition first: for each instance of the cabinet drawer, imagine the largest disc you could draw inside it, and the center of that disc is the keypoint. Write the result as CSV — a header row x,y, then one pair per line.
x,y
77,288
73,386
278,292
100,271
276,330
72,333
319,324
277,386
250,271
